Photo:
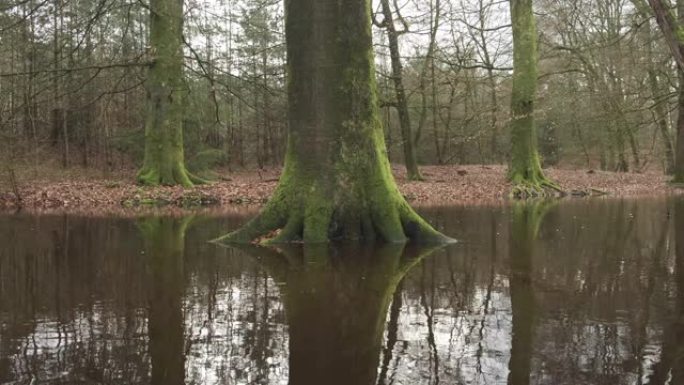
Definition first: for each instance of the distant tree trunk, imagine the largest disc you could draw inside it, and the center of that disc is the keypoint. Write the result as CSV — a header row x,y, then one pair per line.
x,y
164,156
679,154
412,171
525,170
659,108
337,182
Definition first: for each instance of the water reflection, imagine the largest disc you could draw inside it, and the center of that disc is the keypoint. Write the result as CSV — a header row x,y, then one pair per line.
x,y
525,223
164,240
580,292
336,300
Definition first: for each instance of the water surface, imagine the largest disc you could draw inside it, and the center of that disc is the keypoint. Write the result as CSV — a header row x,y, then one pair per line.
x,y
582,292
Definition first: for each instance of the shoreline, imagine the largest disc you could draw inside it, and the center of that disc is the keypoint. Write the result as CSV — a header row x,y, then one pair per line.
x,y
444,185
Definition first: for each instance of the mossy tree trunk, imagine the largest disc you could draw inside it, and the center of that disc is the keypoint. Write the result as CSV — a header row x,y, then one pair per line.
x,y
410,160
337,182
525,170
164,159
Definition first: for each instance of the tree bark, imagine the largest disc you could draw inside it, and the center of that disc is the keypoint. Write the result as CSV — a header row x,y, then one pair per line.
x,y
337,182
525,170
164,156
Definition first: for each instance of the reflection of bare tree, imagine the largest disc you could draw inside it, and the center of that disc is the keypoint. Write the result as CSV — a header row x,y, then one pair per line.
x,y
336,301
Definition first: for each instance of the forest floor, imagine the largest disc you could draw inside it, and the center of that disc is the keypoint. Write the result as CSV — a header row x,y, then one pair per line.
x,y
443,185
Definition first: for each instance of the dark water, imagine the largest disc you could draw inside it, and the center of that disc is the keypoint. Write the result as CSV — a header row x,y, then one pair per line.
x,y
583,292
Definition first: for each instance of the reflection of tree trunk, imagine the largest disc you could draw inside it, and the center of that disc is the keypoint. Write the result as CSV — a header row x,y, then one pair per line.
x,y
671,364
678,365
164,247
392,331
524,228
428,310
336,301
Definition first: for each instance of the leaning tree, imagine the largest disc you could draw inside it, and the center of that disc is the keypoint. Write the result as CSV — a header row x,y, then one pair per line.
x,y
337,181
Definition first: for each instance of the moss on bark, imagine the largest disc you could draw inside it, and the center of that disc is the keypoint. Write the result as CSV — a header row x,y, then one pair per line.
x,y
164,159
525,171
337,182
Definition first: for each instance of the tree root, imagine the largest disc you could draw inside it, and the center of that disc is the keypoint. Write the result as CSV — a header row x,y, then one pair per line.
x,y
534,189
391,223
179,175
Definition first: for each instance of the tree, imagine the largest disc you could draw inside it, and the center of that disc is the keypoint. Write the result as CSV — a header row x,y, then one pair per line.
x,y
164,157
412,171
337,182
525,170
673,30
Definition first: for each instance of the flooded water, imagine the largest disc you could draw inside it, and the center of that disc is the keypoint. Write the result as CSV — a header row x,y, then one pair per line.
x,y
581,292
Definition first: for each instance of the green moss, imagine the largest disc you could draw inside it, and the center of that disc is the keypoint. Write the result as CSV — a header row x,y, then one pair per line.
x,y
525,171
163,162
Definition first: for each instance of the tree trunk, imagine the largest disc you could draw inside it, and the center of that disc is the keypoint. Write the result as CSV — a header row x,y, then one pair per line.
x,y
673,30
412,171
337,182
164,159
679,153
661,114
525,169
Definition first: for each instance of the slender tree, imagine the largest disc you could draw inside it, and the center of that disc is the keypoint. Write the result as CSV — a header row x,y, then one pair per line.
x,y
164,157
412,171
337,182
525,170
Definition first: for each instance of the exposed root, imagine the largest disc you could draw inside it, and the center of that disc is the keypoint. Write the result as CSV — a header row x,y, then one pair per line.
x,y
534,188
314,224
177,175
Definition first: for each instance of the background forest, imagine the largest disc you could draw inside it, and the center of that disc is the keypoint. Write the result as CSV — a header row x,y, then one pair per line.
x,y
72,79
